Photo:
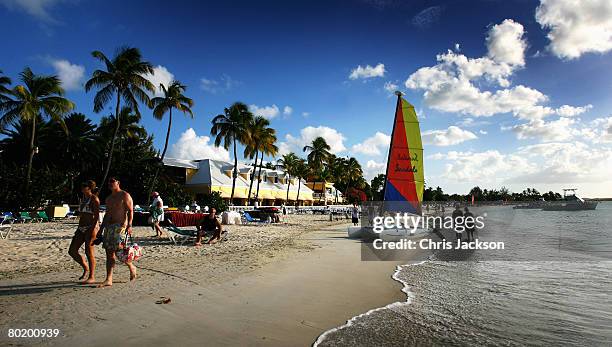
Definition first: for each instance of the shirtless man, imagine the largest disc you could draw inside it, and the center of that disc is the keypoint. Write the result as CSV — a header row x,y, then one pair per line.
x,y
117,220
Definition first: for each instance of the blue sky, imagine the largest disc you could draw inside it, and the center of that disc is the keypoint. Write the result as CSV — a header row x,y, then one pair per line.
x,y
492,111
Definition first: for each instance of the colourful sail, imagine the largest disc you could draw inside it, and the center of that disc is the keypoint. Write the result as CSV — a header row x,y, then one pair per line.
x,y
405,179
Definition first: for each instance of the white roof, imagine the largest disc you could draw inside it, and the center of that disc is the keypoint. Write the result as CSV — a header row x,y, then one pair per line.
x,y
185,163
213,173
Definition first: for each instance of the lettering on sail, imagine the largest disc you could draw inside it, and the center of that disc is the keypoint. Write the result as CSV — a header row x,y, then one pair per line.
x,y
403,162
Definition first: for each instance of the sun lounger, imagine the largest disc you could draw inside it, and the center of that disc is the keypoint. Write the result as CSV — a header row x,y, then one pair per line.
x,y
177,234
24,217
42,216
250,220
6,224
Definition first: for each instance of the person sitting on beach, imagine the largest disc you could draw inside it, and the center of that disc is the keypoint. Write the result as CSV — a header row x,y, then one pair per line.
x,y
89,215
117,222
469,224
458,222
157,213
209,224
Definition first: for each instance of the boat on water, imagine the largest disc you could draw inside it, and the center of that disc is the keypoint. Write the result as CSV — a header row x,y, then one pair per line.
x,y
534,205
404,177
571,202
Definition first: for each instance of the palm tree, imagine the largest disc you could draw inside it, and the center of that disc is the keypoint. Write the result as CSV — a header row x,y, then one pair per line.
x,y
353,172
268,147
4,90
173,98
288,163
256,128
336,167
123,77
317,156
301,172
230,128
76,150
38,96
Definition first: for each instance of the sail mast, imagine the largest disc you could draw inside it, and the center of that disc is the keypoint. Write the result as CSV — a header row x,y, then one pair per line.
x,y
397,106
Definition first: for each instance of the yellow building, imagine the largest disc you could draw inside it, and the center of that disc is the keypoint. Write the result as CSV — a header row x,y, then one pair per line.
x,y
324,193
207,175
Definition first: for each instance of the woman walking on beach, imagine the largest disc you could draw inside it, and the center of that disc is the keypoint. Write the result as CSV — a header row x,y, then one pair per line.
x,y
89,216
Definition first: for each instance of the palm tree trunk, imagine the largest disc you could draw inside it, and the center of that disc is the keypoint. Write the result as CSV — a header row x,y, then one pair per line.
x,y
297,199
323,193
167,135
114,138
259,176
234,172
253,176
30,159
152,185
288,186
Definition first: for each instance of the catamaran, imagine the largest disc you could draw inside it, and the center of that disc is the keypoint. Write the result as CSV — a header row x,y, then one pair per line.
x,y
404,177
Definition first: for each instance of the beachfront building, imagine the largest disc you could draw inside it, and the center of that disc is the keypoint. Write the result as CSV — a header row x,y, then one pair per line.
x,y
207,175
324,193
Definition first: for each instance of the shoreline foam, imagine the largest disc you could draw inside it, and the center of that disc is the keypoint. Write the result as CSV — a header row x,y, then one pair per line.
x,y
405,289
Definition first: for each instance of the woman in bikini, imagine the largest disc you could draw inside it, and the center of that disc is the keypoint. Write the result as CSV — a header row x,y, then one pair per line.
x,y
89,217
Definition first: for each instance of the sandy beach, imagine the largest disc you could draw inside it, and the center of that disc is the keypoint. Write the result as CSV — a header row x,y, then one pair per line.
x,y
277,285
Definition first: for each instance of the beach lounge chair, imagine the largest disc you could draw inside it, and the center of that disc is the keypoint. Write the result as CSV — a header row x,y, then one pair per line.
x,y
250,220
42,216
177,234
24,217
6,224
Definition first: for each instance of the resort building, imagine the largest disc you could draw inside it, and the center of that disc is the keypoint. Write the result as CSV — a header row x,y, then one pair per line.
x,y
207,175
324,193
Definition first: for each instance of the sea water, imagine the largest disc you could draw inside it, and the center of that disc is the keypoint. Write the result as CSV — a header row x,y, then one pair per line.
x,y
552,286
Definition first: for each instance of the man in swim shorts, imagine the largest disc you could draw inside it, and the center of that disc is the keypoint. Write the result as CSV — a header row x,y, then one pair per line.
x,y
117,221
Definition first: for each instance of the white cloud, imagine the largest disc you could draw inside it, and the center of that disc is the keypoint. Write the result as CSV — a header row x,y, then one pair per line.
x,y
334,139
373,168
451,136
305,114
567,162
71,75
484,166
368,71
505,43
558,130
598,131
39,9
268,112
374,145
576,27
453,85
192,146
287,110
391,87
571,111
482,132
224,84
160,75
